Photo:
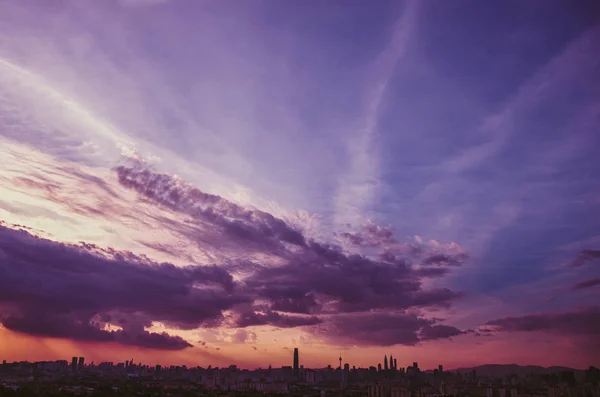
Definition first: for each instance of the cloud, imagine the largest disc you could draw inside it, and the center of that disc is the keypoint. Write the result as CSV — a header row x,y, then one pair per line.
x,y
54,289
141,3
243,336
253,229
268,317
593,282
360,185
83,326
586,256
384,329
271,274
582,326
80,290
298,281
581,322
371,235
324,279
440,331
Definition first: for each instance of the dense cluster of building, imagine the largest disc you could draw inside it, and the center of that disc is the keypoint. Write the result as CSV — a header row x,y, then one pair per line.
x,y
383,380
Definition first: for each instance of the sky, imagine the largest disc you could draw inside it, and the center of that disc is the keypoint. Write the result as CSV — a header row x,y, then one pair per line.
x,y
211,182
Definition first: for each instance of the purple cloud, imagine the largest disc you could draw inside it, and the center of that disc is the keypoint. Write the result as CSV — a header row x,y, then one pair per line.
x,y
581,322
83,326
440,331
585,256
55,289
316,278
581,326
586,284
250,318
75,291
251,226
384,329
310,285
371,235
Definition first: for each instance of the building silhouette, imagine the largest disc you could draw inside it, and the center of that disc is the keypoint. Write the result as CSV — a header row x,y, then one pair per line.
x,y
74,364
80,364
296,362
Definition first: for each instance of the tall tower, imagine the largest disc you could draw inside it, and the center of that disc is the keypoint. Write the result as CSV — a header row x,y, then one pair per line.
x,y
391,362
296,362
340,361
385,363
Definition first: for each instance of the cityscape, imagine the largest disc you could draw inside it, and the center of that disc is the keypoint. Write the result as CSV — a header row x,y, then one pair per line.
x,y
387,379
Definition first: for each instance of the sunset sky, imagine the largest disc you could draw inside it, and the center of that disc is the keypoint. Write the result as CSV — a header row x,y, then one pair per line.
x,y
216,182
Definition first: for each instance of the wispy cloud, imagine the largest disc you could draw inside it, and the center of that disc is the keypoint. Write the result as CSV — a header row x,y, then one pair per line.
x,y
359,185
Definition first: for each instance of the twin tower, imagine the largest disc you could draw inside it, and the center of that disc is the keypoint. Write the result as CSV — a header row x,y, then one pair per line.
x,y
393,365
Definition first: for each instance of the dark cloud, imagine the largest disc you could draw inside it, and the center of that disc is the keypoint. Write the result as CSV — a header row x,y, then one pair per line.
x,y
586,256
582,322
251,318
371,235
443,260
58,289
83,289
313,278
581,326
586,284
483,331
384,329
83,327
324,278
431,332
252,226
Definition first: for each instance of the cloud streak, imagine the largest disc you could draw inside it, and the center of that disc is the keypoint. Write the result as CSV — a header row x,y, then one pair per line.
x,y
593,282
360,185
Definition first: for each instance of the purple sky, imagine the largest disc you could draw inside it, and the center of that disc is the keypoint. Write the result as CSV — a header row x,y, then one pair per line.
x,y
412,171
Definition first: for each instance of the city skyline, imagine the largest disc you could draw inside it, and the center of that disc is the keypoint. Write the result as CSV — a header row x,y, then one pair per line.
x,y
77,364
208,182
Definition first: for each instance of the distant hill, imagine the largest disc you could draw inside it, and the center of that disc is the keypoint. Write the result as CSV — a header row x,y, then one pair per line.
x,y
503,370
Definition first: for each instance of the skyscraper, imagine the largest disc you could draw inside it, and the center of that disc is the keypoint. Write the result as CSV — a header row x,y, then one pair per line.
x,y
80,364
395,365
385,363
296,362
74,364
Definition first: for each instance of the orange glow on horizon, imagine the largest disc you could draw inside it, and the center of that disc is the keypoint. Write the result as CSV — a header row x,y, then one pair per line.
x,y
519,349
